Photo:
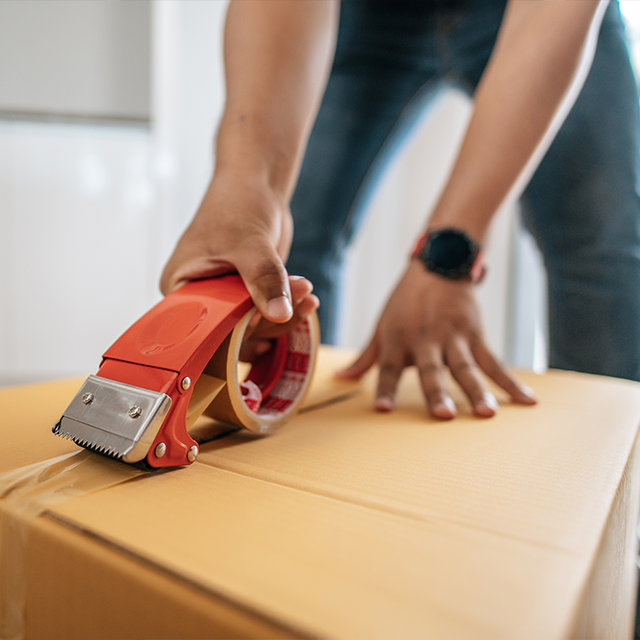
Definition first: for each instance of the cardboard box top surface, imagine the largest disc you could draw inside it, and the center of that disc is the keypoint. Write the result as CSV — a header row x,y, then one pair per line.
x,y
348,523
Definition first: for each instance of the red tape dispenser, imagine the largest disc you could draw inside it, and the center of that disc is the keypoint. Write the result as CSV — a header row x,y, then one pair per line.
x,y
180,360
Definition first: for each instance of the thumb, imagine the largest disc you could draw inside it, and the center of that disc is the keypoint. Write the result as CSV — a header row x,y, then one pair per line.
x,y
268,283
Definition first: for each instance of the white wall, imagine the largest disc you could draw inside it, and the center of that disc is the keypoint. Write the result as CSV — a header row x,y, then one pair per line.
x,y
76,203
88,59
89,214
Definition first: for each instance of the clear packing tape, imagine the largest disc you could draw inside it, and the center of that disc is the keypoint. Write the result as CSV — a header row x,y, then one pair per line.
x,y
26,493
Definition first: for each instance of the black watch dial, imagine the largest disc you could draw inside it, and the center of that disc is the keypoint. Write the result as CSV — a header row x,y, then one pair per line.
x,y
449,253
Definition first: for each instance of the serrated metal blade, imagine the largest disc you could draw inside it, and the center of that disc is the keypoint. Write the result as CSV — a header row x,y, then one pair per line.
x,y
113,418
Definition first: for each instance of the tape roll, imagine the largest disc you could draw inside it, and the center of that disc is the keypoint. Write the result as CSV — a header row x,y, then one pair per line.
x,y
276,384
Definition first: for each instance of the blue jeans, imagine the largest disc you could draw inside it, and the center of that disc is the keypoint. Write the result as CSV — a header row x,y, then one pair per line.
x,y
581,206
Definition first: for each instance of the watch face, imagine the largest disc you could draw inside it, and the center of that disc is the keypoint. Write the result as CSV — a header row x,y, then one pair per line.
x,y
449,253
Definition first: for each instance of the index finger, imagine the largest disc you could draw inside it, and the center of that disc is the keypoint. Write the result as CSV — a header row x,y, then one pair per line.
x,y
498,373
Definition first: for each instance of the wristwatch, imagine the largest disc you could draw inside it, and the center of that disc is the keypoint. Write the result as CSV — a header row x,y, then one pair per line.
x,y
450,253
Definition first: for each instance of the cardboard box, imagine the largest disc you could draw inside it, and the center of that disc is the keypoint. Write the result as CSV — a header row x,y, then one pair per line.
x,y
347,523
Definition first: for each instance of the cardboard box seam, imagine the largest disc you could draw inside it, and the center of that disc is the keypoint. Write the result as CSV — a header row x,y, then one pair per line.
x,y
343,397
395,512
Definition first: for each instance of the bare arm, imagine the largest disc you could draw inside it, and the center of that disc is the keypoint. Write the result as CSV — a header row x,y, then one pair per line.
x,y
542,56
277,57
538,66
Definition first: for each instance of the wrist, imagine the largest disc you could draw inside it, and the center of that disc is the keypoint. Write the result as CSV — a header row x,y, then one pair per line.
x,y
250,179
257,153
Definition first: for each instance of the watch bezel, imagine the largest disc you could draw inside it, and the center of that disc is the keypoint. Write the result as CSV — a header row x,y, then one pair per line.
x,y
464,270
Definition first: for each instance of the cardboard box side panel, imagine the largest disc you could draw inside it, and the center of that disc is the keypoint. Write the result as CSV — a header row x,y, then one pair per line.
x,y
607,609
332,568
80,588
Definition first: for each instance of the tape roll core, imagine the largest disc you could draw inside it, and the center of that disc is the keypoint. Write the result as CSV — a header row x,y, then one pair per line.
x,y
284,394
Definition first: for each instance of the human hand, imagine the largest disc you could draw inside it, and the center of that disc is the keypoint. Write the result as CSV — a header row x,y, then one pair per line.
x,y
242,226
434,323
259,335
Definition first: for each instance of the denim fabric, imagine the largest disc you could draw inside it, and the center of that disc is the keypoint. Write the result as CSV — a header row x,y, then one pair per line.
x,y
582,206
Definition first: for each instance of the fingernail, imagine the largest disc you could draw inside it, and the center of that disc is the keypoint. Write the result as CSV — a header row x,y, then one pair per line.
x,y
529,392
304,296
279,309
343,373
179,284
298,278
445,409
487,406
384,404
490,401
315,300
448,402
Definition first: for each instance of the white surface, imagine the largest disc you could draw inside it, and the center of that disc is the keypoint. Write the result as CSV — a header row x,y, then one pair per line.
x,y
76,204
527,330
90,213
75,58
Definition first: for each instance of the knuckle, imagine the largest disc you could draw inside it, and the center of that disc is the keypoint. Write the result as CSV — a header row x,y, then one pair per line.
x,y
424,332
388,370
428,369
462,367
395,335
435,397
267,268
269,275
494,369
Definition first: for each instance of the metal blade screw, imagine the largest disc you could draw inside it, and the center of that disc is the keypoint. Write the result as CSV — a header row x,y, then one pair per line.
x,y
192,454
186,383
87,398
161,449
135,411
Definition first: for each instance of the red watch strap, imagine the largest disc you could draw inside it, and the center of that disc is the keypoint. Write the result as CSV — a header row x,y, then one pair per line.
x,y
478,268
417,250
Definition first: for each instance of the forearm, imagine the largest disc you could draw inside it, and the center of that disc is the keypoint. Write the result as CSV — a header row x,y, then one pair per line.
x,y
538,66
277,57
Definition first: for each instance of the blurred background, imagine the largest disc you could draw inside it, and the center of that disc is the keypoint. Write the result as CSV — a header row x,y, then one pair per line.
x,y
107,116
